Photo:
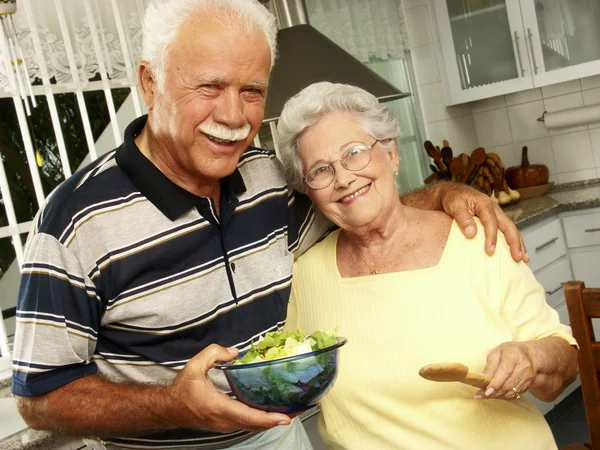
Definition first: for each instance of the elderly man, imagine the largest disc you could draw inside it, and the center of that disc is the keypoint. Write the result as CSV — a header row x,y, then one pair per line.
x,y
175,250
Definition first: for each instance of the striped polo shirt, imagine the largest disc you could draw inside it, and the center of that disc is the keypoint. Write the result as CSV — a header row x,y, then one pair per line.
x,y
129,276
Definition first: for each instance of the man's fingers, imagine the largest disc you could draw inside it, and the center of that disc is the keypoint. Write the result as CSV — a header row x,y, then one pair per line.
x,y
512,235
487,211
204,360
248,417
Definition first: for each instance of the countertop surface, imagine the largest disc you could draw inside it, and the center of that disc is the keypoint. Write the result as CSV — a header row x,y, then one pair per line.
x,y
566,197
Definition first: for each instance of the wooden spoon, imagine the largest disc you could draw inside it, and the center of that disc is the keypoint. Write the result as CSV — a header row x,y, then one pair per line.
x,y
454,372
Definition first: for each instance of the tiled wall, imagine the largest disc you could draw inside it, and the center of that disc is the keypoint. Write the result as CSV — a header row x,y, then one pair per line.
x,y
505,124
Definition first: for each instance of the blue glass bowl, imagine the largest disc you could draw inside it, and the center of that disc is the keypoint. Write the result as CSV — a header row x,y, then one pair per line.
x,y
286,385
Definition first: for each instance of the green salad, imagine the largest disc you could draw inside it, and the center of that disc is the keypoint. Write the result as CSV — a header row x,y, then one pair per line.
x,y
281,344
292,382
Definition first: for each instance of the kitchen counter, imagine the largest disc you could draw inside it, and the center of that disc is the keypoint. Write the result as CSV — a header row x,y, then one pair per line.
x,y
561,198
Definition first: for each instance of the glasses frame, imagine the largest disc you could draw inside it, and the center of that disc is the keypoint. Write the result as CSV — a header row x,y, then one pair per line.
x,y
341,160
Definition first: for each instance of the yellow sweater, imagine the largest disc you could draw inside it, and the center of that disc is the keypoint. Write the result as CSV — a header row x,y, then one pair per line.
x,y
396,323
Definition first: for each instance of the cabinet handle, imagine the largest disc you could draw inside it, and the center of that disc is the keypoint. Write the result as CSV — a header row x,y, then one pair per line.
x,y
535,66
545,244
555,290
520,60
591,230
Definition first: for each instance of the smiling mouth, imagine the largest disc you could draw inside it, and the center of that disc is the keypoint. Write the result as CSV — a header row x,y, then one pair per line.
x,y
218,140
349,198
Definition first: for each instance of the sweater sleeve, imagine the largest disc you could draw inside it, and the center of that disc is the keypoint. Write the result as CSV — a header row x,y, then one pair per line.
x,y
524,306
292,321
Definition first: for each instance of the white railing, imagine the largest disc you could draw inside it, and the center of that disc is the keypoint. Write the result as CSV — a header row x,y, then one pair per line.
x,y
64,44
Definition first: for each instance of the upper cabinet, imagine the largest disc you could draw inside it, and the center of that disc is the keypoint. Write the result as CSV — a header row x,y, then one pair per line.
x,y
495,47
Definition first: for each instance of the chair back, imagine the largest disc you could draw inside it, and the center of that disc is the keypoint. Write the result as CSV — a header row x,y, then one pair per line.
x,y
584,304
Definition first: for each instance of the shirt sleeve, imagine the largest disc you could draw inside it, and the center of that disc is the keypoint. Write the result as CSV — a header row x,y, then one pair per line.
x,y
58,317
305,225
524,306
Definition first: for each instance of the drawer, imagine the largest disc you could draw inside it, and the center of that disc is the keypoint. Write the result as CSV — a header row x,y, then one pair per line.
x,y
552,278
582,230
544,244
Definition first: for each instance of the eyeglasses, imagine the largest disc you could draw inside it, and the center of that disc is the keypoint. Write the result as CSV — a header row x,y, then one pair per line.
x,y
355,158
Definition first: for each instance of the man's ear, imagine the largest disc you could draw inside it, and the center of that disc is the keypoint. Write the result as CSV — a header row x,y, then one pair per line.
x,y
147,83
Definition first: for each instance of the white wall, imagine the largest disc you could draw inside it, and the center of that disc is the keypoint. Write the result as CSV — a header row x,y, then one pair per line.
x,y
505,124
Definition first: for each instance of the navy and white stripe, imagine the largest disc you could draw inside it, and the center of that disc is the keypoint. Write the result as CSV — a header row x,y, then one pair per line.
x,y
128,275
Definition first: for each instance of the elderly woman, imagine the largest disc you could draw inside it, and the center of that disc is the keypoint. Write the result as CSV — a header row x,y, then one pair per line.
x,y
408,289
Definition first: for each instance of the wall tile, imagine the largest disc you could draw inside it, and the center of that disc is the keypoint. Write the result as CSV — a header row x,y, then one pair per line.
x,y
561,102
565,102
530,95
419,31
436,132
523,121
553,178
493,128
425,64
591,97
573,152
554,90
410,4
598,172
539,151
462,134
432,102
590,82
595,138
506,154
579,175
488,104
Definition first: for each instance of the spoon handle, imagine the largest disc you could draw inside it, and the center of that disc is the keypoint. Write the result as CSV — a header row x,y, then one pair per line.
x,y
474,379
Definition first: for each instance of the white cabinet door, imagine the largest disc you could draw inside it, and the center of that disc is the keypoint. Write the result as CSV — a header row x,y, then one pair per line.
x,y
484,48
586,267
563,39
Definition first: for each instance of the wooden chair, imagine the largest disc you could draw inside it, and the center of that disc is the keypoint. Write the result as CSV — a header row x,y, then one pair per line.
x,y
584,304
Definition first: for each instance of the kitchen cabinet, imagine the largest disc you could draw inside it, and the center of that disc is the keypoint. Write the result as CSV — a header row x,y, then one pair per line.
x,y
550,263
495,47
582,231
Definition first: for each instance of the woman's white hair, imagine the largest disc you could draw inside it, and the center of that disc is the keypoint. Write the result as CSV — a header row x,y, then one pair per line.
x,y
314,102
164,18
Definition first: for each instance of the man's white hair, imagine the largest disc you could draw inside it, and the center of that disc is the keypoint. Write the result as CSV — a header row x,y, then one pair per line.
x,y
164,18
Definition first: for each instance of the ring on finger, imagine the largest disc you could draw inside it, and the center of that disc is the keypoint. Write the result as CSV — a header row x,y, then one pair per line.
x,y
517,393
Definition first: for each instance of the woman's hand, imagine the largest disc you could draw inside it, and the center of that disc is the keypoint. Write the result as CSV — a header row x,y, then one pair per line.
x,y
543,366
463,202
512,369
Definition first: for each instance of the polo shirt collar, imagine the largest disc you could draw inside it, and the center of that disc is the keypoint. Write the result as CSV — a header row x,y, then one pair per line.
x,y
171,199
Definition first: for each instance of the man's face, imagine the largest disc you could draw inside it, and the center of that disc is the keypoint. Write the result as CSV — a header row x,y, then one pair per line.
x,y
213,100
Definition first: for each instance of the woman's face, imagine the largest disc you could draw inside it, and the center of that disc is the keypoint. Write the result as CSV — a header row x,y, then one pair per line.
x,y
354,199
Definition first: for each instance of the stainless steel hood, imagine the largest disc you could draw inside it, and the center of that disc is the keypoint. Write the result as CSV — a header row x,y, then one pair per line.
x,y
306,56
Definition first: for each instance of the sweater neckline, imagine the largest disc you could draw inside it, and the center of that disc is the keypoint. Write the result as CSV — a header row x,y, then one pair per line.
x,y
332,260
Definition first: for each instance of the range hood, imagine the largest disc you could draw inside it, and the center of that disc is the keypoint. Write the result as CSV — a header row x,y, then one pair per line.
x,y
306,56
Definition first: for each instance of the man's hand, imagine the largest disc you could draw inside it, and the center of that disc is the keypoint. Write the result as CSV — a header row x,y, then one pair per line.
x,y
463,202
206,408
